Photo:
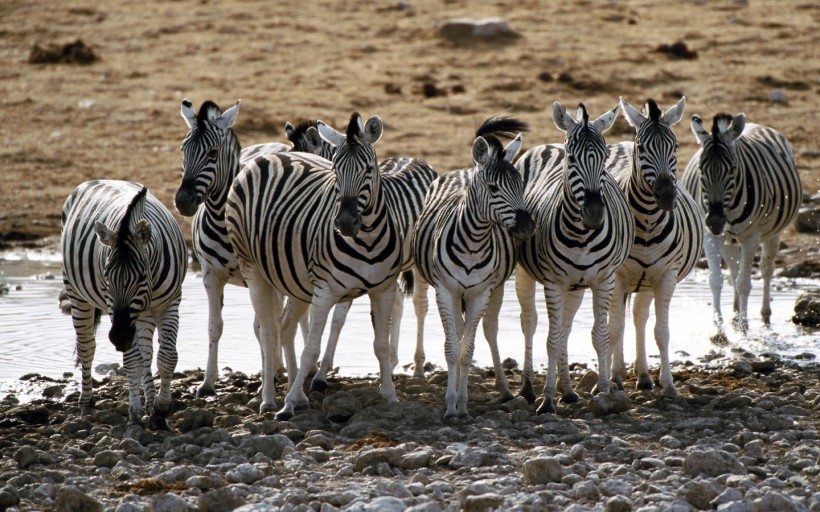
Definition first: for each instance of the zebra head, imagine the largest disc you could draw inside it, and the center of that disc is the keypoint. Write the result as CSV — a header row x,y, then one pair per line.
x,y
718,166
499,185
656,147
126,271
207,153
357,174
586,154
305,138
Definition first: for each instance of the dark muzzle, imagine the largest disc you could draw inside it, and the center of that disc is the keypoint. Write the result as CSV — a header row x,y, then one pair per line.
x,y
524,227
665,193
348,221
186,201
716,218
592,213
122,330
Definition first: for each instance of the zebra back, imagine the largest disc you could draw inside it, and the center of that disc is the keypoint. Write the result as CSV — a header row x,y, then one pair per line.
x,y
743,177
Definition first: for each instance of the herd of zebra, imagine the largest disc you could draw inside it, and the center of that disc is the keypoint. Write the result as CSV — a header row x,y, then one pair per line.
x,y
308,227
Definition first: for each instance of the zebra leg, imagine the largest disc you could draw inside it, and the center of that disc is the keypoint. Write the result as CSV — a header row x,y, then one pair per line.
x,y
555,298
474,311
263,298
743,285
396,313
381,302
447,310
295,313
84,317
319,311
420,305
601,298
640,316
731,254
617,319
663,298
713,247
490,325
168,326
769,253
525,291
319,382
214,289
132,361
145,342
571,304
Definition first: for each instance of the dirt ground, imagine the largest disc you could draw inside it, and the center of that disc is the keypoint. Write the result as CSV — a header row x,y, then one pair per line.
x,y
118,115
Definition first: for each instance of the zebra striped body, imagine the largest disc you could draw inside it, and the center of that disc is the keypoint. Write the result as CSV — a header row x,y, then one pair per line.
x,y
584,232
123,253
319,233
211,159
668,236
746,183
465,246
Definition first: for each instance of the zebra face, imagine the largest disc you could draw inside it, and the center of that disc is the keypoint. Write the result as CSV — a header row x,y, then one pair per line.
x,y
354,163
203,153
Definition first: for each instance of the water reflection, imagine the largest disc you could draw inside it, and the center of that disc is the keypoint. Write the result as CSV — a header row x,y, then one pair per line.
x,y
39,338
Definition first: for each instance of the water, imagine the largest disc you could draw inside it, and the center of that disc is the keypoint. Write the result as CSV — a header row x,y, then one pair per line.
x,y
37,337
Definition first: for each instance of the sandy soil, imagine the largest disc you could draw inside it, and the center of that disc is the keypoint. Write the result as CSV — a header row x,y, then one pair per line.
x,y
118,117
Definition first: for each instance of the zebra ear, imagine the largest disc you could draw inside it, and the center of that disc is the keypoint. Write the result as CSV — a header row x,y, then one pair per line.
x,y
188,113
142,232
701,134
735,129
632,115
563,121
674,114
228,118
313,138
106,236
290,131
513,148
481,151
329,134
605,122
373,129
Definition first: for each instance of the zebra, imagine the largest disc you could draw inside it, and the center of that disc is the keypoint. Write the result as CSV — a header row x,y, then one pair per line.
x,y
320,233
668,236
744,178
124,253
465,246
583,233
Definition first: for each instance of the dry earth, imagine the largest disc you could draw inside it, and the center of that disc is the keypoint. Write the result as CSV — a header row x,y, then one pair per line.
x,y
117,117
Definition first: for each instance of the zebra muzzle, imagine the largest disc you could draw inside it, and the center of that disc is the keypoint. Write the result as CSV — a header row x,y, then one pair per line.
x,y
186,201
122,331
524,226
348,221
592,212
665,193
715,219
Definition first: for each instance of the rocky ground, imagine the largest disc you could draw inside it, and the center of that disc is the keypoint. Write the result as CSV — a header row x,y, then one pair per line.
x,y
742,436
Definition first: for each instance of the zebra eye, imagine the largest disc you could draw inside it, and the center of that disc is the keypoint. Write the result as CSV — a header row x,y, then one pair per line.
x,y
212,153
571,159
493,188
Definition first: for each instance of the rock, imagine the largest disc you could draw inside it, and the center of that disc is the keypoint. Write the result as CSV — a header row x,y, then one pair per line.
x,y
72,499
610,403
168,502
258,507
466,31
615,487
220,500
542,470
698,493
777,96
8,497
618,504
340,407
728,495
483,503
384,504
774,501
808,220
712,463
273,446
195,417
108,458
588,382
376,456
245,474
26,456
807,308
470,457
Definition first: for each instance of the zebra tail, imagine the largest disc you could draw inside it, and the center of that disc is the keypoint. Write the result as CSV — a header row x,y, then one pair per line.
x,y
407,282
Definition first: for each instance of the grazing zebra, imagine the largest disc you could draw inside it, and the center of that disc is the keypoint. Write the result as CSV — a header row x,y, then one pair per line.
x,y
320,233
124,253
583,233
747,185
668,236
465,246
211,158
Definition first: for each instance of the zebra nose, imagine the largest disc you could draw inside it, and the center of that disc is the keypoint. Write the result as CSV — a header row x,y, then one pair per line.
x,y
592,212
665,193
348,221
122,330
716,218
524,227
186,201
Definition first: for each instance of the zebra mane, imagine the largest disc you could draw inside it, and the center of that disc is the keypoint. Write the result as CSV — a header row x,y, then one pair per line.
x,y
353,126
654,110
207,111
584,114
720,124
494,127
302,126
129,212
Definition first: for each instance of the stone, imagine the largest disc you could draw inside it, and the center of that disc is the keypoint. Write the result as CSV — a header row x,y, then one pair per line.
x,y
728,495
258,507
470,457
808,220
417,459
376,456
542,470
26,456
588,382
8,497
483,503
340,407
196,417
712,463
615,487
774,501
168,502
807,308
698,493
468,31
610,403
72,499
108,458
618,504
245,474
220,500
384,504
273,446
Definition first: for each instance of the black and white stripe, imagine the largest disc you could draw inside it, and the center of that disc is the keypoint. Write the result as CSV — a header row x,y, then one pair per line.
x,y
668,236
319,233
584,232
746,183
124,254
465,247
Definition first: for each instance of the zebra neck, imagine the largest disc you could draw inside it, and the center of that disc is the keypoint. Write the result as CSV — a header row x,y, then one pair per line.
x,y
375,214
640,196
227,168
471,223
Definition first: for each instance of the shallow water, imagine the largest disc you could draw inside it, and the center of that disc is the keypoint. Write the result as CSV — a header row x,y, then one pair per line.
x,y
37,337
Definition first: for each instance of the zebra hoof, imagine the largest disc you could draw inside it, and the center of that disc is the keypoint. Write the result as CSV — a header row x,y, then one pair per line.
x,y
546,407
267,407
506,396
203,391
618,383
527,392
644,382
156,422
319,385
134,432
284,415
719,339
570,398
